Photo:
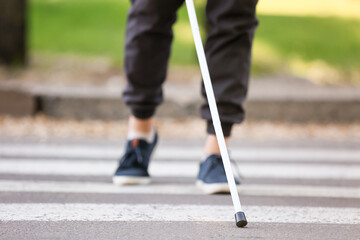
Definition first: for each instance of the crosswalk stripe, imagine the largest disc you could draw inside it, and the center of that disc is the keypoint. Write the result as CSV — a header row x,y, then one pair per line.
x,y
69,162
183,153
165,212
177,189
180,169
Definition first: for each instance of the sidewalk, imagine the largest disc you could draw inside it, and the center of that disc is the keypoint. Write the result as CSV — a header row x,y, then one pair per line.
x,y
269,98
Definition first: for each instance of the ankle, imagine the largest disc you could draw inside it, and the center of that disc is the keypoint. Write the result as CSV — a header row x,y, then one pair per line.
x,y
141,129
148,137
211,145
140,125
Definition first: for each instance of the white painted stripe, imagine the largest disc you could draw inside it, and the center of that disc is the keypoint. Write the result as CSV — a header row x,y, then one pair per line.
x,y
181,189
183,169
92,187
271,154
174,213
300,191
43,150
182,153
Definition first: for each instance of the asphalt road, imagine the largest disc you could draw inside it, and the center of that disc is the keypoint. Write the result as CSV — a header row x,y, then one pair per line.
x,y
61,189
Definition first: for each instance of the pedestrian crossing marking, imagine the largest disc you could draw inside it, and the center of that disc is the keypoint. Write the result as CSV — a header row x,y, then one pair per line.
x,y
176,189
65,161
191,153
178,169
174,213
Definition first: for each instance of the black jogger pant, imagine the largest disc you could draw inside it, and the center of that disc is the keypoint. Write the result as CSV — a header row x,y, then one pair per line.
x,y
228,52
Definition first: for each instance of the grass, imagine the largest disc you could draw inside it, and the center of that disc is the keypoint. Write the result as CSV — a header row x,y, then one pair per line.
x,y
310,42
300,44
93,27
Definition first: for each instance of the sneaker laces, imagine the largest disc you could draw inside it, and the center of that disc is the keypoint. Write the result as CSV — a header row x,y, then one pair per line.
x,y
214,162
127,160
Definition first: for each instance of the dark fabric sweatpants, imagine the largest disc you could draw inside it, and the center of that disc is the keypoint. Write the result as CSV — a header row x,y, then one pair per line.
x,y
228,51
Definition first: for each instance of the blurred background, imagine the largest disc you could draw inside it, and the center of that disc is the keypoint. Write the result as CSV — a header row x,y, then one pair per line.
x,y
61,61
63,126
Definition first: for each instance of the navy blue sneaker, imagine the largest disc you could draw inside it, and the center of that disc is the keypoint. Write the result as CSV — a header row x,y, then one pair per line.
x,y
133,166
212,178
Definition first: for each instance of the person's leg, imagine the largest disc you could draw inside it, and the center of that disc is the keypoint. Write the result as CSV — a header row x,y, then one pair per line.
x,y
147,49
211,145
228,51
140,125
141,129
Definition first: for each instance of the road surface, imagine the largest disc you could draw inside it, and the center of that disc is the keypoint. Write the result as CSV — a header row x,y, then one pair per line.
x,y
62,189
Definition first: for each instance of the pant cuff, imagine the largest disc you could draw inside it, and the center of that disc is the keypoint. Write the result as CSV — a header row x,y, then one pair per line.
x,y
226,127
143,114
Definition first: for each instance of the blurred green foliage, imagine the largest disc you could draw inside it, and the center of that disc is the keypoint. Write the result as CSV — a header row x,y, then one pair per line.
x,y
282,43
335,40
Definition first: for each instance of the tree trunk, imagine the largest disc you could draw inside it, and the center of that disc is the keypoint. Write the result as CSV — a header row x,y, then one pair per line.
x,y
13,32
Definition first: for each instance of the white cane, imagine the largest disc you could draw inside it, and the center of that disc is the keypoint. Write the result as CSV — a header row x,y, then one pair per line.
x,y
240,218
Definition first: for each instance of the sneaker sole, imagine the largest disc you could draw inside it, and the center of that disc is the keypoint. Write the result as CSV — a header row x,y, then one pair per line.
x,y
126,180
213,188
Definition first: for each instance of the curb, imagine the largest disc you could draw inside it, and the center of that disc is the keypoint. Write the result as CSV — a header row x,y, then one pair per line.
x,y
17,103
308,105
